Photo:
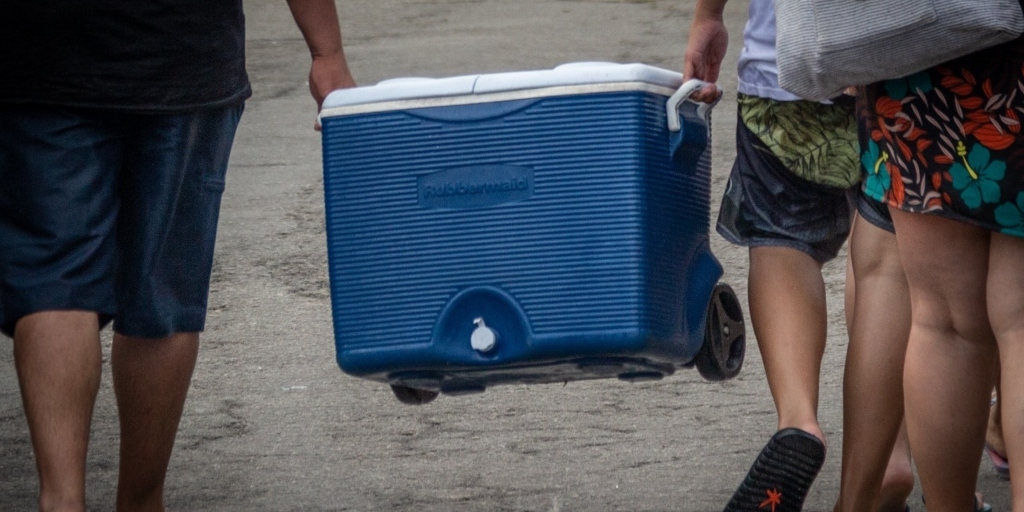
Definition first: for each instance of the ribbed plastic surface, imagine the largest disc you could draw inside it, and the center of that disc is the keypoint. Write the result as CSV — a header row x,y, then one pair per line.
x,y
580,218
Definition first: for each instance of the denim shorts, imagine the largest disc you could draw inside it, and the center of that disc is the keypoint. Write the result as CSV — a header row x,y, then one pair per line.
x,y
766,204
111,212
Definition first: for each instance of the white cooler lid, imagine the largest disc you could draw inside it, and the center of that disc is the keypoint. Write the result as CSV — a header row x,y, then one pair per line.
x,y
570,78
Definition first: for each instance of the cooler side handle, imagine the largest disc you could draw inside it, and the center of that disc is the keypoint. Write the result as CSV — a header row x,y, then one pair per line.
x,y
672,105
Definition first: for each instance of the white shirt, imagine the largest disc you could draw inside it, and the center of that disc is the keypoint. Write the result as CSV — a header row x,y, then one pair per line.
x,y
758,72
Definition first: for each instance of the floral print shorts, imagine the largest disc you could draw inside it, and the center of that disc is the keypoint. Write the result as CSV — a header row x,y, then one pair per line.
x,y
948,140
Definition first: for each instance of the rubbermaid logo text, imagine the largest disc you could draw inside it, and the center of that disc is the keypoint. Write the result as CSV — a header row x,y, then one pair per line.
x,y
475,186
461,188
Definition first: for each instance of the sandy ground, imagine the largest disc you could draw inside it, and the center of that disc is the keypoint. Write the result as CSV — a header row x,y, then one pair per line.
x,y
272,424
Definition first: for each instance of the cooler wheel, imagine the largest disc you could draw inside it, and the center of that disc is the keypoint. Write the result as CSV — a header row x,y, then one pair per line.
x,y
721,355
413,396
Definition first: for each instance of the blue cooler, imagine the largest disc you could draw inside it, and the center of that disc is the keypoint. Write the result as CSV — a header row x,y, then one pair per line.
x,y
528,227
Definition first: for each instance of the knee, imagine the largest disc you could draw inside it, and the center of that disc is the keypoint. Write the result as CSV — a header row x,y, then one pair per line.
x,y
880,264
1007,319
961,320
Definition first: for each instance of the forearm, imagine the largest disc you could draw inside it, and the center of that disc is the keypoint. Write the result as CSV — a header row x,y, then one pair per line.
x,y
318,21
706,46
706,9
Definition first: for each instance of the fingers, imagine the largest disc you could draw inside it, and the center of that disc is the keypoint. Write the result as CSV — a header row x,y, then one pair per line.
x,y
327,74
330,72
707,94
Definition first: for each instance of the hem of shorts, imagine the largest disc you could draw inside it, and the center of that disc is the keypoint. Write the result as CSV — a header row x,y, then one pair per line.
x,y
190,320
872,217
53,297
952,215
105,317
874,221
777,242
946,214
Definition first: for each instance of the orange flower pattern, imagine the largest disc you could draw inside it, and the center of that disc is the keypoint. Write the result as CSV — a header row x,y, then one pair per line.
x,y
950,139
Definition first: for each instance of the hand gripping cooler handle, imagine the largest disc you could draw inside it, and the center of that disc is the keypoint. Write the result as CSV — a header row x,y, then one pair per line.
x,y
685,91
685,145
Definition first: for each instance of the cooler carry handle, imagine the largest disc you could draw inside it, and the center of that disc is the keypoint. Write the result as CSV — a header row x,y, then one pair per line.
x,y
672,106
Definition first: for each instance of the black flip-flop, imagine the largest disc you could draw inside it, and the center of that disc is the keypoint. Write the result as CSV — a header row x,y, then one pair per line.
x,y
781,475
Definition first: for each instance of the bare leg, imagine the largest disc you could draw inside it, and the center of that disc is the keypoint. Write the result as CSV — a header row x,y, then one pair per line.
x,y
878,316
950,356
58,358
994,443
898,481
994,435
787,310
1006,311
151,381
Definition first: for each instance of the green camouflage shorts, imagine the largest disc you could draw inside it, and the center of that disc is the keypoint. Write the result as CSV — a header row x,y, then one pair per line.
x,y
816,141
